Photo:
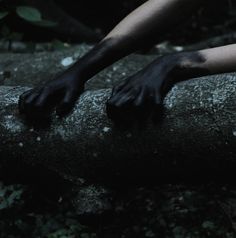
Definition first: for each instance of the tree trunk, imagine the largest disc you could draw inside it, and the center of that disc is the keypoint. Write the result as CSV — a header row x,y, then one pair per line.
x,y
197,136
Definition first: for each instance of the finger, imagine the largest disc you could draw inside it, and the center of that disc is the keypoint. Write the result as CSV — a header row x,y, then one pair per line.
x,y
157,98
21,102
124,97
157,112
25,94
116,109
124,100
126,94
42,99
67,104
114,96
121,86
140,97
31,98
118,88
29,102
34,104
142,106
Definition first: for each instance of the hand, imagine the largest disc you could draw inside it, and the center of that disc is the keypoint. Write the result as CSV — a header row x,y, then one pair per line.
x,y
60,93
142,94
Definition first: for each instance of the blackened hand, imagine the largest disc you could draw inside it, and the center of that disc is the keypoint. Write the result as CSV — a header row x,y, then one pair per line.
x,y
142,94
60,93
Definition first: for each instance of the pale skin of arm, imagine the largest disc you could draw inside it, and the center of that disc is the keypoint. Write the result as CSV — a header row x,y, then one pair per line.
x,y
147,87
220,60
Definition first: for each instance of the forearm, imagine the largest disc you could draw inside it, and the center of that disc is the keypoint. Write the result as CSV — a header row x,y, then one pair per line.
x,y
205,62
219,59
135,31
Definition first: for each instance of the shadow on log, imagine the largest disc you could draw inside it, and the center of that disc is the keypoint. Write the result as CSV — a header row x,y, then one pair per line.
x,y
196,138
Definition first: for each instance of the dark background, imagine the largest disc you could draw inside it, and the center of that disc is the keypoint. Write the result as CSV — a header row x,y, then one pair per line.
x,y
101,16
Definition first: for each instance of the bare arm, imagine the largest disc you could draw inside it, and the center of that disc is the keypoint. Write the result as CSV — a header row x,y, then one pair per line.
x,y
135,31
129,35
219,59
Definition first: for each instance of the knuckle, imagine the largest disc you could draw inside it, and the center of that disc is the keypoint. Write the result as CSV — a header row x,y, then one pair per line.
x,y
47,88
113,104
116,89
136,89
110,103
73,91
27,101
37,105
149,88
21,98
145,88
23,95
66,102
111,100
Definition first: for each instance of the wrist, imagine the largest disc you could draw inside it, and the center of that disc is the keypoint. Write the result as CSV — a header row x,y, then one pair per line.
x,y
99,57
189,65
77,73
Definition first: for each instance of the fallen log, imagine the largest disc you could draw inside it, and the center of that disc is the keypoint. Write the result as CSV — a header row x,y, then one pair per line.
x,y
196,136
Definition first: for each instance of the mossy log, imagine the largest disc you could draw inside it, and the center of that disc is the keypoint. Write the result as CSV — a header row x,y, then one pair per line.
x,y
196,137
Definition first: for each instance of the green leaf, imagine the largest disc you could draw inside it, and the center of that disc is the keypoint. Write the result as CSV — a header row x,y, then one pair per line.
x,y
208,225
3,14
59,45
45,23
30,14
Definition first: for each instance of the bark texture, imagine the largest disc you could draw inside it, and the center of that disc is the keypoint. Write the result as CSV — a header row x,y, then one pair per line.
x,y
197,136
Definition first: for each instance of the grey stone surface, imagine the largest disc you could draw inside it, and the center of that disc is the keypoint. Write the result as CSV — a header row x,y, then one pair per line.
x,y
17,69
197,134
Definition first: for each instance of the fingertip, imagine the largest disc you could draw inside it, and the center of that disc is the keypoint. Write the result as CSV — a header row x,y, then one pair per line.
x,y
25,94
31,97
140,99
109,107
21,108
113,101
114,91
22,101
157,114
117,88
157,98
64,109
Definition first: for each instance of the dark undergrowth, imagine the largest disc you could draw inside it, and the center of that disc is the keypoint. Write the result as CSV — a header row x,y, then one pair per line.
x,y
171,211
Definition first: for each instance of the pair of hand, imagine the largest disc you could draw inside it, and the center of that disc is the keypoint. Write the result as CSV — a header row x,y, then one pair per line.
x,y
136,98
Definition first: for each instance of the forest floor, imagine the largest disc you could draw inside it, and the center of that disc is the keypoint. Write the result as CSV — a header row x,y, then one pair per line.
x,y
171,211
